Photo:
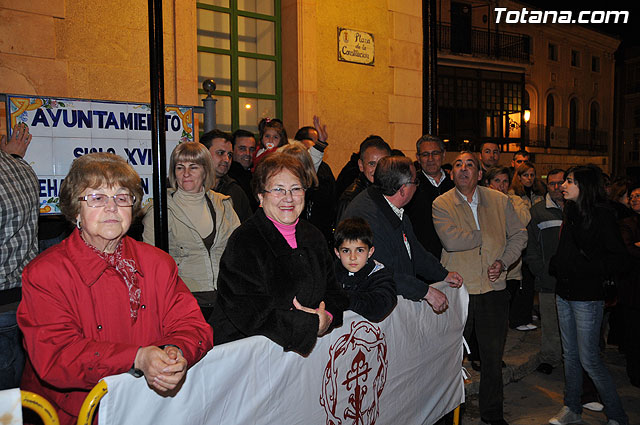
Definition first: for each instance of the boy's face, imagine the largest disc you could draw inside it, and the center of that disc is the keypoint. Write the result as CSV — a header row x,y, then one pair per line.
x,y
354,255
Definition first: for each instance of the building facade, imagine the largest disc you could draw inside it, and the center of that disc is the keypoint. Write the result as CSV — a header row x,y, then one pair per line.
x,y
627,154
280,58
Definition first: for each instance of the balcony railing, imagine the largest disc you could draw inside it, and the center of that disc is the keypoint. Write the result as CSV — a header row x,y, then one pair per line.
x,y
499,45
563,137
538,135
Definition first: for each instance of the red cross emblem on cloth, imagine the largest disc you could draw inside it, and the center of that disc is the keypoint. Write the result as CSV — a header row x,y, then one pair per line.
x,y
351,396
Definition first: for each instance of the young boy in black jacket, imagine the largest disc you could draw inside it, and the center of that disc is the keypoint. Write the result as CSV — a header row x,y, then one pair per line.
x,y
369,285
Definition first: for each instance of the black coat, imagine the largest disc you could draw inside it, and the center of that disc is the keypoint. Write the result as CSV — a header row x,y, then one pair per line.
x,y
419,210
411,274
587,257
348,174
260,274
320,203
354,189
243,177
371,295
629,291
228,186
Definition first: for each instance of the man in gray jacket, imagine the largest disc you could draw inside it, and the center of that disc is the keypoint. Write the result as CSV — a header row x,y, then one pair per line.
x,y
544,234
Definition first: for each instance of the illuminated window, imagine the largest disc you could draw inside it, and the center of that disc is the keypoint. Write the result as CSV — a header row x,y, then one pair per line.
x,y
239,47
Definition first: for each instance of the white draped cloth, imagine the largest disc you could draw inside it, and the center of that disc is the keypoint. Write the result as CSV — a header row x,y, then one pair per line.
x,y
406,369
11,407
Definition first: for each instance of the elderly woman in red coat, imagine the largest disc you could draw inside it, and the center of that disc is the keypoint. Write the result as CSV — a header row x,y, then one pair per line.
x,y
100,303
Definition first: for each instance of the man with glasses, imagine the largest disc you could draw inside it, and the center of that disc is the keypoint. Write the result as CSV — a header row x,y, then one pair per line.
x,y
382,206
433,183
481,236
629,294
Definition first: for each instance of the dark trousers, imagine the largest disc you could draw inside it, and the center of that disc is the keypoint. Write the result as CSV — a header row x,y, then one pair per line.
x,y
11,354
521,299
632,343
488,316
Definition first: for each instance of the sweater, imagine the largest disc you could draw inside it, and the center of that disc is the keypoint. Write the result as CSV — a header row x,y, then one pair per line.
x,y
419,210
198,267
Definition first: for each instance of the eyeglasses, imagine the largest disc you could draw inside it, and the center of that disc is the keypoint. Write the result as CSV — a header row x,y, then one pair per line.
x,y
416,182
280,192
97,200
434,154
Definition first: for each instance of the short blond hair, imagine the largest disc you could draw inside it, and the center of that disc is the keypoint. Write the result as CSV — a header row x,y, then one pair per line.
x,y
198,154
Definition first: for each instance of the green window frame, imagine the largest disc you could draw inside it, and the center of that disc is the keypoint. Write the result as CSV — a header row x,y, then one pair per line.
x,y
233,92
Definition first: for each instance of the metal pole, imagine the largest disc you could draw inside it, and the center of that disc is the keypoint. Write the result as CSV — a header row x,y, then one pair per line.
x,y
209,113
209,105
429,68
158,131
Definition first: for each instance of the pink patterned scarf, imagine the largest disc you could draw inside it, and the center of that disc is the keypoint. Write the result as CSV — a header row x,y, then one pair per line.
x,y
126,268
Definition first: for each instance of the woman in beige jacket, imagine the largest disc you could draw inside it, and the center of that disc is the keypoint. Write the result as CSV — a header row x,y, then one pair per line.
x,y
200,221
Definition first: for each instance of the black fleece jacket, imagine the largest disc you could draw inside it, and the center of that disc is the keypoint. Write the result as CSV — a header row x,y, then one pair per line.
x,y
260,274
586,257
371,295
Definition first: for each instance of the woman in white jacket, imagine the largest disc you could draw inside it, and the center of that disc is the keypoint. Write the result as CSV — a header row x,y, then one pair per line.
x,y
200,221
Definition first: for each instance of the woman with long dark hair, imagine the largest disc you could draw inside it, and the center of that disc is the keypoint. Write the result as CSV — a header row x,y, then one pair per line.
x,y
590,251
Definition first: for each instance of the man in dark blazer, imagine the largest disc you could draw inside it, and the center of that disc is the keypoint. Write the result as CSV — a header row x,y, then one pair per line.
x,y
382,206
371,150
433,183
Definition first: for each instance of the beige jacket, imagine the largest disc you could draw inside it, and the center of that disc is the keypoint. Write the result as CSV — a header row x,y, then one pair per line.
x,y
524,214
470,251
197,267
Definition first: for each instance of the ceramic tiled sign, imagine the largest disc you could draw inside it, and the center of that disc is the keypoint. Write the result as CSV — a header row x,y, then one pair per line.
x,y
65,129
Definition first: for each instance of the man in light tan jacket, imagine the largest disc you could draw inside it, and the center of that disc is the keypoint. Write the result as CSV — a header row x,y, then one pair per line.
x,y
481,236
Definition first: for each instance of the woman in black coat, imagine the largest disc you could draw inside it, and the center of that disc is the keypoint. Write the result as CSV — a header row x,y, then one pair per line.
x,y
590,251
276,276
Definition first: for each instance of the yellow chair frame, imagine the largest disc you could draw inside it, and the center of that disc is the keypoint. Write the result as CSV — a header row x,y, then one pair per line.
x,y
41,406
90,404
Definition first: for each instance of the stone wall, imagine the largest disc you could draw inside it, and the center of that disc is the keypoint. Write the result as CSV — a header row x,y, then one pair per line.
x,y
95,50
